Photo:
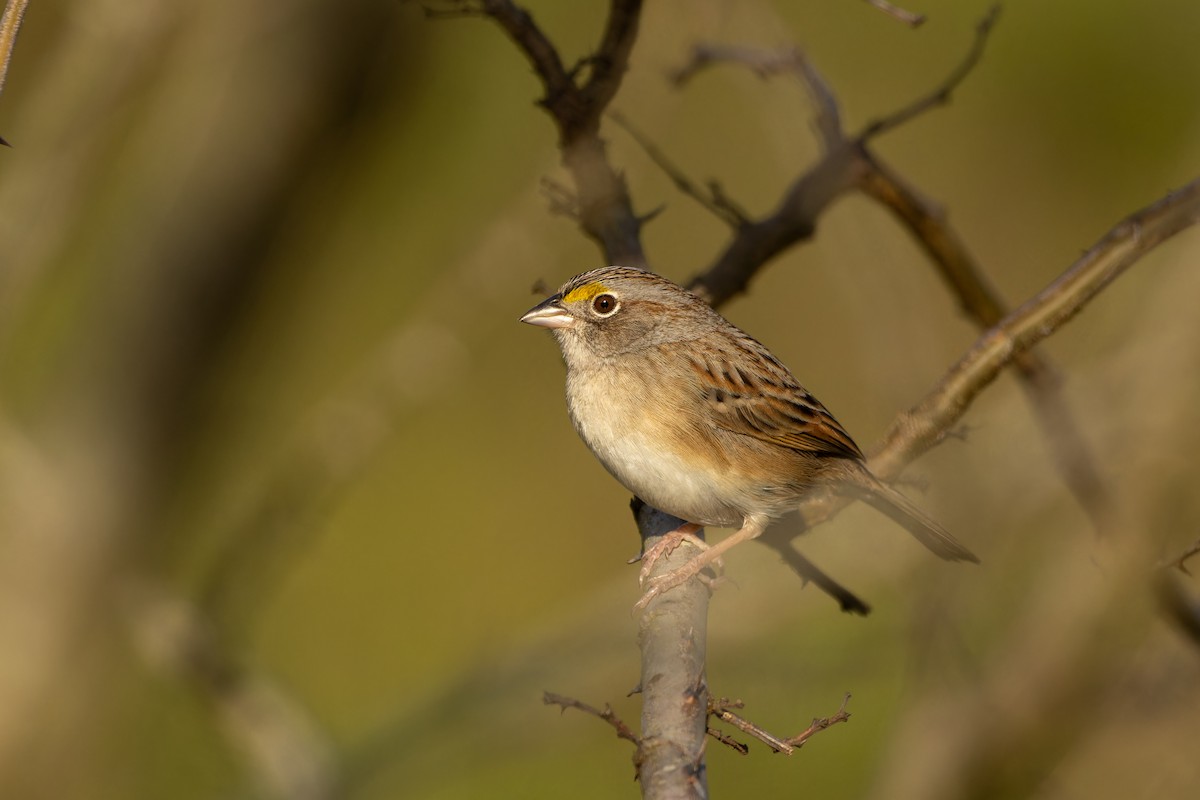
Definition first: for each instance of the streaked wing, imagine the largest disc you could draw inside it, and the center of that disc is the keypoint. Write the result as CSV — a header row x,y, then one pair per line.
x,y
762,399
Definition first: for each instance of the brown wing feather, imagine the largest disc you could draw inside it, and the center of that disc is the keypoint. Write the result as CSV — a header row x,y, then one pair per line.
x,y
762,399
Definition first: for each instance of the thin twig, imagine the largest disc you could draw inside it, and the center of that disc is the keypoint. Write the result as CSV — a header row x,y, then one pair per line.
x,y
763,63
940,95
811,573
608,715
820,724
722,709
790,60
714,200
793,220
1179,562
845,165
909,18
741,748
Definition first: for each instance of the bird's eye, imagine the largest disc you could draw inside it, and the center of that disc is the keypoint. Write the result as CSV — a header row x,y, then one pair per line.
x,y
605,305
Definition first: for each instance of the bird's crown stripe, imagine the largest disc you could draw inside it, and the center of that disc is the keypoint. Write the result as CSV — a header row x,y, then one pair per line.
x,y
585,292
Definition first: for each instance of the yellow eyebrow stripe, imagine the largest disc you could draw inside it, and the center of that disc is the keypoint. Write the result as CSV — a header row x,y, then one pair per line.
x,y
585,292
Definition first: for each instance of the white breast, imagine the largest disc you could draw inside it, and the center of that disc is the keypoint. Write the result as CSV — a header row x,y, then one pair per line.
x,y
624,426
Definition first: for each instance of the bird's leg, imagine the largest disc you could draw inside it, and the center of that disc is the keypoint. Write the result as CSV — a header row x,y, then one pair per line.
x,y
752,527
666,545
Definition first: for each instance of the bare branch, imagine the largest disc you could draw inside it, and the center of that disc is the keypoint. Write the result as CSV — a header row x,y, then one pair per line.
x,y
715,200
1179,562
605,209
846,163
611,60
907,17
534,44
722,710
608,715
821,724
810,572
926,424
940,95
917,430
763,63
729,741
849,161
281,743
794,220
672,635
982,303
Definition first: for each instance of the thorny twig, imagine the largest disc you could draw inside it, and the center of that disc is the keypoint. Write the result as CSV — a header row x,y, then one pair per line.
x,y
608,715
820,724
722,709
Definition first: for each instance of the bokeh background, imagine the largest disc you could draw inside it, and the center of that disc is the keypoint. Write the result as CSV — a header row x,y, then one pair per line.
x,y
289,502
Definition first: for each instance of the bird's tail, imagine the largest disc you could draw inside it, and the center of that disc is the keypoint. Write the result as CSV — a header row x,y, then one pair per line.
x,y
862,485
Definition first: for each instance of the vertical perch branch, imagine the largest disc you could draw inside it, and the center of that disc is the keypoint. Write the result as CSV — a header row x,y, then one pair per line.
x,y
672,634
670,758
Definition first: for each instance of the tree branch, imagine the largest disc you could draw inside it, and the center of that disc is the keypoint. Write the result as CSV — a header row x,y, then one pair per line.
x,y
714,200
940,95
605,209
919,429
672,636
982,303
607,715
907,17
848,164
282,745
722,709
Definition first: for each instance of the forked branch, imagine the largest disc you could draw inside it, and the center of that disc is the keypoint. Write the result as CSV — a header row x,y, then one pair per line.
x,y
577,105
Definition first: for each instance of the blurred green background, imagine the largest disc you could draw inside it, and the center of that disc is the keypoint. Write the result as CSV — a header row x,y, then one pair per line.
x,y
289,503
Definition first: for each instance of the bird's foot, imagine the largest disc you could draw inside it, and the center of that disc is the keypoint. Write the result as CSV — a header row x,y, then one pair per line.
x,y
667,545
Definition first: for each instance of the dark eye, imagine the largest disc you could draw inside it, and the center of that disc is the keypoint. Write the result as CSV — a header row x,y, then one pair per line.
x,y
604,304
